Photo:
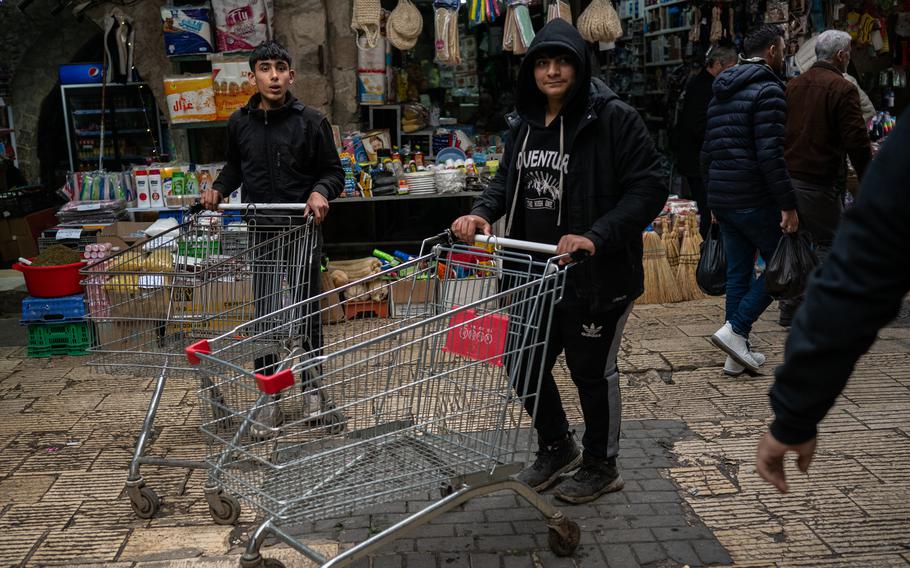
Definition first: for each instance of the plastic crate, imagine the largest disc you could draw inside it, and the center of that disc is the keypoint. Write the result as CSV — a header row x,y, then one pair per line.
x,y
53,310
199,248
50,339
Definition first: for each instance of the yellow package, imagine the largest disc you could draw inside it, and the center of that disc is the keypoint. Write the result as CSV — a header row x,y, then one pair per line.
x,y
190,98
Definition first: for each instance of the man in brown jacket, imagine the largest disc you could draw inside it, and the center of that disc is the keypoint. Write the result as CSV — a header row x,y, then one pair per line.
x,y
824,122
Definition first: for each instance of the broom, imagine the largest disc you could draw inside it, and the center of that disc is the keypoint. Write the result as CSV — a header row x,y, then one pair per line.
x,y
689,255
660,284
671,244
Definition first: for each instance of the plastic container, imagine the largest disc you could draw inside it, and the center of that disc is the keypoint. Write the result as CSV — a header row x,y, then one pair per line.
x,y
67,308
52,281
49,339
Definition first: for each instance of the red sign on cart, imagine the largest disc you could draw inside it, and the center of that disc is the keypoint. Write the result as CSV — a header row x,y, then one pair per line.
x,y
479,338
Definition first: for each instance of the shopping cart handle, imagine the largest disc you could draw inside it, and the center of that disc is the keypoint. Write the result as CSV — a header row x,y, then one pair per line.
x,y
516,244
273,384
199,347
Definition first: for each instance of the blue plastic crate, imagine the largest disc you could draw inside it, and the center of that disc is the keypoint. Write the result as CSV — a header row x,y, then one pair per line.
x,y
67,308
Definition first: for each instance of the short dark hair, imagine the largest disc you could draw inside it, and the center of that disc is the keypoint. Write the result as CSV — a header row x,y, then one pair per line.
x,y
269,50
723,53
553,51
758,40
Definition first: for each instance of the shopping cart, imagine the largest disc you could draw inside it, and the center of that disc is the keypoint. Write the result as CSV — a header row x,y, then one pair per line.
x,y
195,280
428,398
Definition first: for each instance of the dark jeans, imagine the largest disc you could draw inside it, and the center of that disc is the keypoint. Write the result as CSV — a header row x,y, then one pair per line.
x,y
700,196
591,344
820,209
744,233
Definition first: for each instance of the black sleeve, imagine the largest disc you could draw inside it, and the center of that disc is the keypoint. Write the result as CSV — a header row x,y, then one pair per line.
x,y
857,291
644,192
769,125
331,175
231,175
491,204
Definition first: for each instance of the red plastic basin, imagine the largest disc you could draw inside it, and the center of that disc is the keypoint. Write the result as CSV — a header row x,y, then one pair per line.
x,y
52,281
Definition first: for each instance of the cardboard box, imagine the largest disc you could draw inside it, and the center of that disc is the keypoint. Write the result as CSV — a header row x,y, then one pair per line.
x,y
420,294
465,291
18,246
121,234
32,224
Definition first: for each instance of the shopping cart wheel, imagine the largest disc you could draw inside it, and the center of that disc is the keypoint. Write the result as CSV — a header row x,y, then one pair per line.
x,y
229,511
564,539
145,502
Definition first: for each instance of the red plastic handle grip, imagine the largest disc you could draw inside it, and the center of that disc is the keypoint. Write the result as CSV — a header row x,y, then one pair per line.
x,y
273,384
198,347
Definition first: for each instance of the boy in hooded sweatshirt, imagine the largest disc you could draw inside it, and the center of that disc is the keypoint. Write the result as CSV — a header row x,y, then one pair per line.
x,y
579,171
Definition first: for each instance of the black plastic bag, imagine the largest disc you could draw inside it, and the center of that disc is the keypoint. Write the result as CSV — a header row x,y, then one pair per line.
x,y
788,270
711,274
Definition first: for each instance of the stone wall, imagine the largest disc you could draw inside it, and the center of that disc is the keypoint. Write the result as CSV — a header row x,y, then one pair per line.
x,y
316,32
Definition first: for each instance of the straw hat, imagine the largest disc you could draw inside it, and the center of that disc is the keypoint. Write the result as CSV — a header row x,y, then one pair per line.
x,y
404,25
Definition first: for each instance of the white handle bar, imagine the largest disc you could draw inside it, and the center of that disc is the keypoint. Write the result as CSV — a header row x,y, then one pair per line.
x,y
516,244
284,206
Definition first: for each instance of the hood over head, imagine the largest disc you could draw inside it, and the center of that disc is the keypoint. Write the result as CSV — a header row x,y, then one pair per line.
x,y
739,76
556,36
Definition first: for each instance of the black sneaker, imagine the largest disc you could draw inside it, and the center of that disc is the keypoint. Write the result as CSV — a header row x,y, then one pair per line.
x,y
594,478
552,461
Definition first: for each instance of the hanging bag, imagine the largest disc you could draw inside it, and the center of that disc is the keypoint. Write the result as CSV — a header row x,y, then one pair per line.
x,y
404,25
600,22
711,274
790,266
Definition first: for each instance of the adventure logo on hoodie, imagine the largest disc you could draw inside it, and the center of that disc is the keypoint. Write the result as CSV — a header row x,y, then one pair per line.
x,y
540,170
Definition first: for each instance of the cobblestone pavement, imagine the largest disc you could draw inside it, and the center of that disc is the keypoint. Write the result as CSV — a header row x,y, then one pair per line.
x,y
692,495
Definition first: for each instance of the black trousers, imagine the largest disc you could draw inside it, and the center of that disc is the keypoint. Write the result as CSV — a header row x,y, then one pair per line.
x,y
820,209
285,271
591,345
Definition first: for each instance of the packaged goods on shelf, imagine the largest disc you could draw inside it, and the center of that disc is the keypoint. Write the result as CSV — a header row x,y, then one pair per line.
x,y
187,29
242,24
190,98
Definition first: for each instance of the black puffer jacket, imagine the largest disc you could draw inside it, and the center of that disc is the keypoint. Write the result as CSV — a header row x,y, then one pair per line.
x,y
743,154
613,189
280,155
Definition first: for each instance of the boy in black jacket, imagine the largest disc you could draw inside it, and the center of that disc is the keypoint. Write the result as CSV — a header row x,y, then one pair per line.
x,y
857,291
282,151
580,171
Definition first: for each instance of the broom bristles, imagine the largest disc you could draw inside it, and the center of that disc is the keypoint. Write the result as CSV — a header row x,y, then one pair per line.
x,y
688,264
660,283
670,244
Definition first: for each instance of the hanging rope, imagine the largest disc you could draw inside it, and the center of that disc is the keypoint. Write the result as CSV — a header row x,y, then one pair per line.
x,y
600,22
365,20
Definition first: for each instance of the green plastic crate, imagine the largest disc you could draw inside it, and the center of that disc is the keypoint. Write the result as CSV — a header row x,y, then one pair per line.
x,y
199,248
50,339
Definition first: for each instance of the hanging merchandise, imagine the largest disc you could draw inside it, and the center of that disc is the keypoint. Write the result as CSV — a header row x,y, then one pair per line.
x,y
187,29
559,9
404,25
190,98
118,47
483,11
519,32
371,73
600,22
448,50
695,32
242,24
717,28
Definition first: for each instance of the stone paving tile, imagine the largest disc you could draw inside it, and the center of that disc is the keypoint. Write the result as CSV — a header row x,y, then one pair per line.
x,y
88,545
174,543
23,489
18,542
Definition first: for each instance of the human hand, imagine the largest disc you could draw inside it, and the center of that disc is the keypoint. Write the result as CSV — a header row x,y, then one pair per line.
x,y
466,226
318,205
572,243
789,221
770,459
210,199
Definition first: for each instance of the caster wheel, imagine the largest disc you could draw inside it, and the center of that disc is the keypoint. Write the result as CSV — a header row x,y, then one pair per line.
x,y
272,563
446,490
564,545
230,510
147,504
261,562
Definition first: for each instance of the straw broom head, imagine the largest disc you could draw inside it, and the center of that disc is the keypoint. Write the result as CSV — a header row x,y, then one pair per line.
x,y
660,283
670,244
689,256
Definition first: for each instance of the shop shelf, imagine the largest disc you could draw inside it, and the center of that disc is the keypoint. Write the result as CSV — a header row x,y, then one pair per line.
x,y
665,4
50,339
669,31
57,310
194,125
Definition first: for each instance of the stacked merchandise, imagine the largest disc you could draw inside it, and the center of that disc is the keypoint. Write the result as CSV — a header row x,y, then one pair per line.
x,y
174,184
55,309
80,213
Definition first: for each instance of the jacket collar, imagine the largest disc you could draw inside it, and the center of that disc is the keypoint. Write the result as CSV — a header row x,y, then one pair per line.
x,y
291,104
827,66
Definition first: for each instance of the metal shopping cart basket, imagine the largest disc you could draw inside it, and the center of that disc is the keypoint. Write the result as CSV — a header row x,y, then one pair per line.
x,y
429,397
195,280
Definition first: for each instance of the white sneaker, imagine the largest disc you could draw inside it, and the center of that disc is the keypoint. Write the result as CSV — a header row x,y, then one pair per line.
x,y
734,345
734,369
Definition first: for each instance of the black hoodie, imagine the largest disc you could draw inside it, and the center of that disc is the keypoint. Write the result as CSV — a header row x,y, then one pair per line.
x,y
613,187
280,155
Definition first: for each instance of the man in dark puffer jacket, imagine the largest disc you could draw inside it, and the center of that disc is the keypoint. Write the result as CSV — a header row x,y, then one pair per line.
x,y
749,188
